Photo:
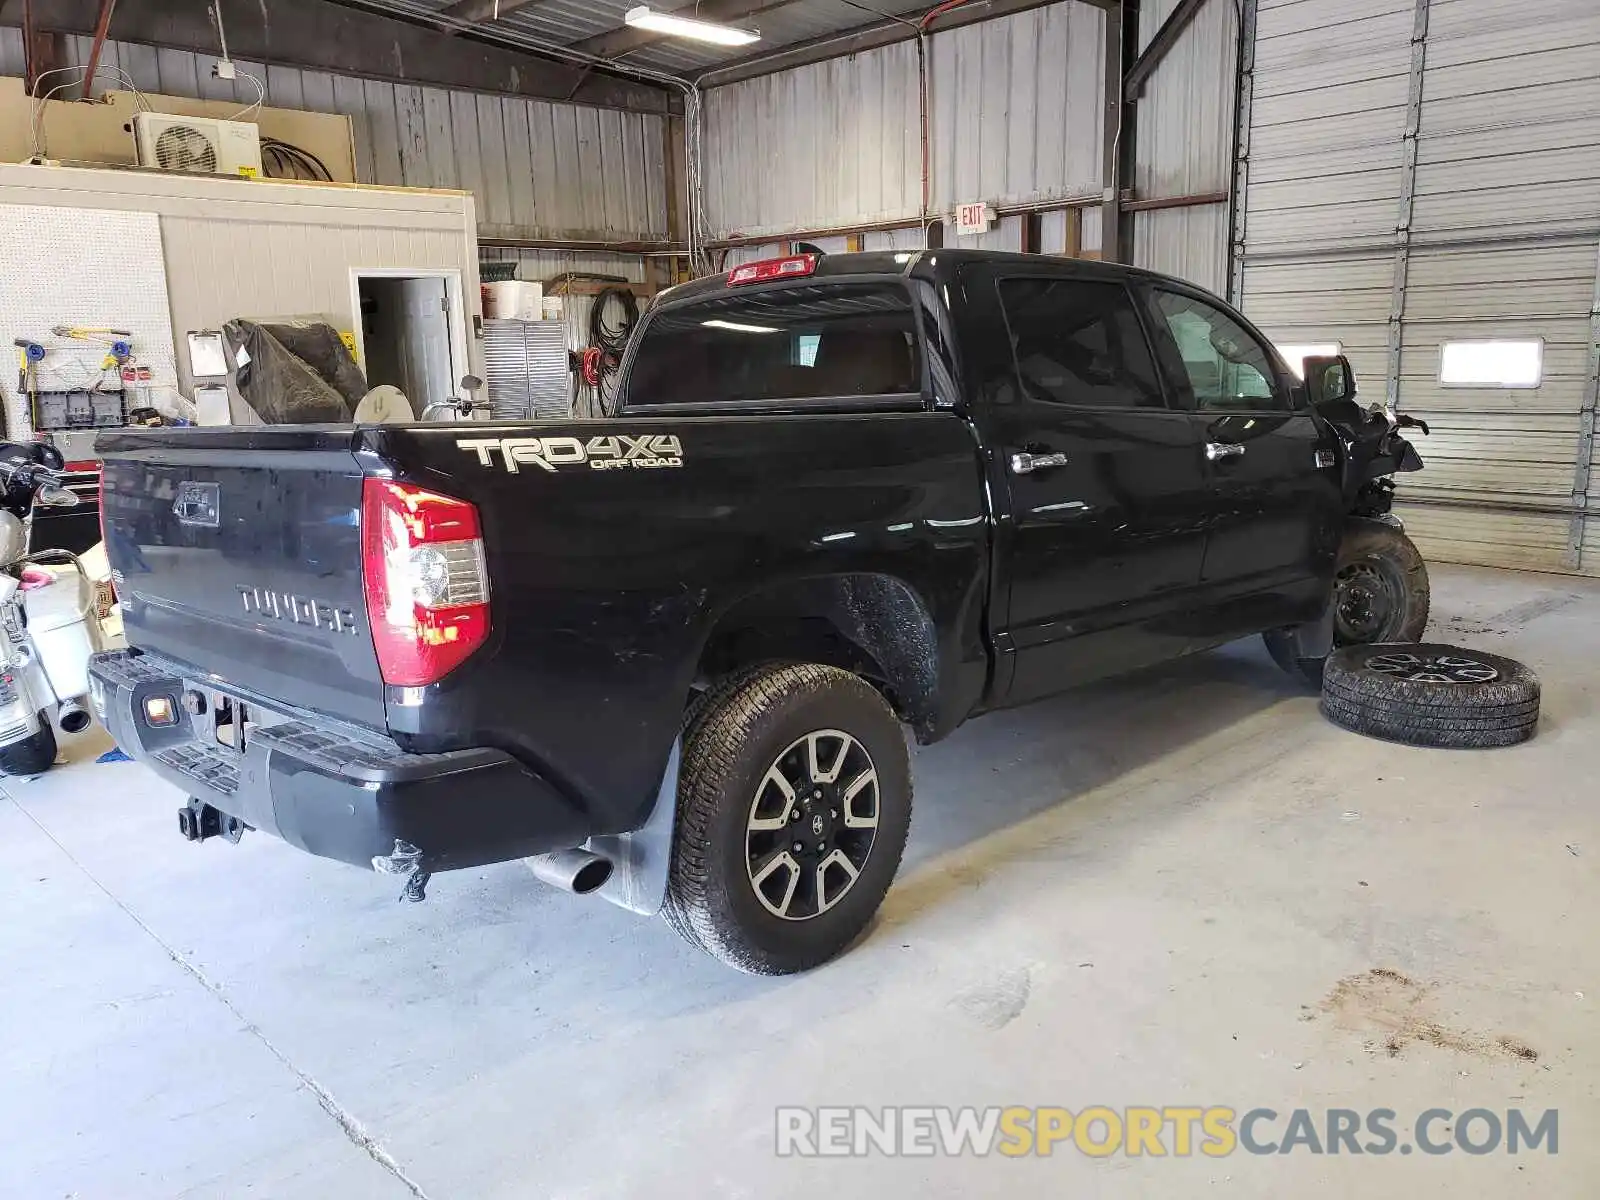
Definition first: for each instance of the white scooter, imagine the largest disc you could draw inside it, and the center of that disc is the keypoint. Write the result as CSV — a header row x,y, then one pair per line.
x,y
48,630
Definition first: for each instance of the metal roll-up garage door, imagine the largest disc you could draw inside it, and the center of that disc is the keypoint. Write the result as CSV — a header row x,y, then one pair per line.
x,y
1421,184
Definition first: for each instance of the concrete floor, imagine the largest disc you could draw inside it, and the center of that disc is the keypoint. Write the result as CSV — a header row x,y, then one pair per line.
x,y
1164,891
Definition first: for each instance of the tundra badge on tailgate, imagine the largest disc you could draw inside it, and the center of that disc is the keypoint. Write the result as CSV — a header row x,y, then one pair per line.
x,y
622,452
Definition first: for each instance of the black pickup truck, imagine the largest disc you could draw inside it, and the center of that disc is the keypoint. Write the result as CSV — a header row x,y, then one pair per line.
x,y
668,655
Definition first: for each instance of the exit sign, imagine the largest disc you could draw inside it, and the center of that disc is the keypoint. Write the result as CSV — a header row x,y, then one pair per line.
x,y
973,218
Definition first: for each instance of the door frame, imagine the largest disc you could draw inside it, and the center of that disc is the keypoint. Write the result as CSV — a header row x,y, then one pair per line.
x,y
456,312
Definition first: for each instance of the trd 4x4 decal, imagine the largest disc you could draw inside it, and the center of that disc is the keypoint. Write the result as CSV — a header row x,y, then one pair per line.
x,y
614,452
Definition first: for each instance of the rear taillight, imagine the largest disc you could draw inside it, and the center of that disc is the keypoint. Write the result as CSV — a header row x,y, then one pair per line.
x,y
426,584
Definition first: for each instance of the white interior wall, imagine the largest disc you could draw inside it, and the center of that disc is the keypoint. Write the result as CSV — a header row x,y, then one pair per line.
x,y
90,270
257,249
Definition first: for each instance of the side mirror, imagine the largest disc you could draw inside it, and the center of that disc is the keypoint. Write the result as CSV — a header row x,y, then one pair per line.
x,y
471,383
1329,379
56,497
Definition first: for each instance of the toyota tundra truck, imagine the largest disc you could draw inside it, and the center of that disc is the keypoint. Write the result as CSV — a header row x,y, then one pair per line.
x,y
669,656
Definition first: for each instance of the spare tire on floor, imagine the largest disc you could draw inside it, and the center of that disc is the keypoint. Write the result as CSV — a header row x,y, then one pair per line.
x,y
1425,694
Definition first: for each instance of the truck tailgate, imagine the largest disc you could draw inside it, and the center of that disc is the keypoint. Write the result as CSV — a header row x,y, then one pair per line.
x,y
238,551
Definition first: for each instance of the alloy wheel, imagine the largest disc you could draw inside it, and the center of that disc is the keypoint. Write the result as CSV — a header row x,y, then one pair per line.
x,y
1432,668
812,823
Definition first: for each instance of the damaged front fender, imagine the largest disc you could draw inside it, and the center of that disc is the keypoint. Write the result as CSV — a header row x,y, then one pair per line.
x,y
1371,452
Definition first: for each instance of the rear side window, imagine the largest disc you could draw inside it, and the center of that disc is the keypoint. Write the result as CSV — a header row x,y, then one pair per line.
x,y
817,342
1079,342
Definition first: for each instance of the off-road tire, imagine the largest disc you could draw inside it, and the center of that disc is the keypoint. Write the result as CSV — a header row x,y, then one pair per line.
x,y
734,735
32,756
1439,702
708,700
1381,548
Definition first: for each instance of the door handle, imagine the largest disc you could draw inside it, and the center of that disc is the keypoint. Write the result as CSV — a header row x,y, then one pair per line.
x,y
1023,463
1217,451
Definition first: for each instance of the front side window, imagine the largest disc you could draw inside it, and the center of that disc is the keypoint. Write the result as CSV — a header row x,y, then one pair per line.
x,y
1228,369
816,341
1079,342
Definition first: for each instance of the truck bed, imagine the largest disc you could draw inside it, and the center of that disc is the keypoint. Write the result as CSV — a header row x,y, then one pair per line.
x,y
613,548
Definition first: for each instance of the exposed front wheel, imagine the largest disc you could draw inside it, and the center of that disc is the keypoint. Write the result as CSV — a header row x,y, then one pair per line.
x,y
1380,591
1380,594
794,803
33,755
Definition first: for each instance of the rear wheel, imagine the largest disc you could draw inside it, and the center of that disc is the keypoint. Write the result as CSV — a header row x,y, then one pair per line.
x,y
793,808
31,756
1380,594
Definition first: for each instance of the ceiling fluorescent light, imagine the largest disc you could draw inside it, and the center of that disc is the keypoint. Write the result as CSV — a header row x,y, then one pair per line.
x,y
644,17
738,328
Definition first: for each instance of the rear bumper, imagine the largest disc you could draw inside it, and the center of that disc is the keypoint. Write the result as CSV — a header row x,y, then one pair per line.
x,y
334,790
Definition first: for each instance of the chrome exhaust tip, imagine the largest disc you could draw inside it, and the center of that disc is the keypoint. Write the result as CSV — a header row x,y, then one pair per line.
x,y
73,717
577,871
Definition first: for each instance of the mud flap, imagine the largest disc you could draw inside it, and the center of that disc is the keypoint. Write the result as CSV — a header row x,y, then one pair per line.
x,y
639,860
1314,639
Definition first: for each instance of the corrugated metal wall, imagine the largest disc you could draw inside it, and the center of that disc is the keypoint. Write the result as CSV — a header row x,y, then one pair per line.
x,y
1191,243
1184,130
1015,117
1006,235
1429,170
1016,107
537,169
831,144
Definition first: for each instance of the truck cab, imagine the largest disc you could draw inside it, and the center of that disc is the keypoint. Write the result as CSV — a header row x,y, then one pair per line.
x,y
1150,462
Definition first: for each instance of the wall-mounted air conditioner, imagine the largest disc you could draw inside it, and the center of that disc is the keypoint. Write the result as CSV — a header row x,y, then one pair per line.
x,y
198,145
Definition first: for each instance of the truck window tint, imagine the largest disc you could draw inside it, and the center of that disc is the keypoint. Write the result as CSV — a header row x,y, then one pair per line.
x,y
1228,369
797,343
1079,342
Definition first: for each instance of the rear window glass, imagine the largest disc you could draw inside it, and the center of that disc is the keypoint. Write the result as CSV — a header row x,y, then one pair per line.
x,y
798,343
1079,342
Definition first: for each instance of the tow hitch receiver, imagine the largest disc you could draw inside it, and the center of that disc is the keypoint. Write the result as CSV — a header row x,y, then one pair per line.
x,y
406,860
198,821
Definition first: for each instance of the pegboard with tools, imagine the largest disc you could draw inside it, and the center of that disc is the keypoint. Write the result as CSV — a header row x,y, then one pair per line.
x,y
85,293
